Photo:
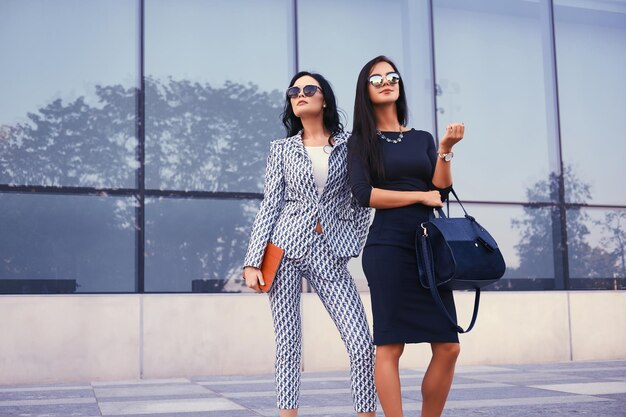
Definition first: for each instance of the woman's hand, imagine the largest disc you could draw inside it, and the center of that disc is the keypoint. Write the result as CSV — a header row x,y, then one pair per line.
x,y
432,198
253,277
453,135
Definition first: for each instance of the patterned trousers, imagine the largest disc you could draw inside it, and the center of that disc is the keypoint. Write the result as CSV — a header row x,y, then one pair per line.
x,y
329,277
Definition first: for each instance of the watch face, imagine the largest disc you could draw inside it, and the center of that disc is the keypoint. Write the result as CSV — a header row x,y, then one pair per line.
x,y
448,157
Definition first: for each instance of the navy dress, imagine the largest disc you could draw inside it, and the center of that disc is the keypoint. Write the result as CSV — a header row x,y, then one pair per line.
x,y
403,311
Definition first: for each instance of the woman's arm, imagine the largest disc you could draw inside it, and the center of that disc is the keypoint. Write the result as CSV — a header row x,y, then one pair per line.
x,y
384,199
442,178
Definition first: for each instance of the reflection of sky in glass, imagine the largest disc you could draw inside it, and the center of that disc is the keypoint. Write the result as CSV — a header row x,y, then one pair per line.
x,y
62,49
339,47
591,53
214,41
491,71
205,132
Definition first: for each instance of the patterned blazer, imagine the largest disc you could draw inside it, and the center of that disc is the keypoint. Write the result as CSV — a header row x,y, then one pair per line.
x,y
291,206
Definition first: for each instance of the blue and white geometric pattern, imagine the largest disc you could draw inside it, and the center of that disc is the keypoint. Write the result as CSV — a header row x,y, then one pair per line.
x,y
329,277
291,207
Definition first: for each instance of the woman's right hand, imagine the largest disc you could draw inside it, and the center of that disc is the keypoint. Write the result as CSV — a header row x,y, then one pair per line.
x,y
432,198
253,276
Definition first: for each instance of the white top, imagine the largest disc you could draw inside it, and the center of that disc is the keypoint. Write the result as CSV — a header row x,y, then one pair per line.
x,y
319,158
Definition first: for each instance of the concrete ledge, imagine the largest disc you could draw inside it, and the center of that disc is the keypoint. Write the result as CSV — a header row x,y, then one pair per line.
x,y
51,339
194,334
68,338
515,327
598,328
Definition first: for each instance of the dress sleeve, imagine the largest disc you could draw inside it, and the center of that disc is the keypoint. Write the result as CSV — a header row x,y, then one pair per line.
x,y
432,155
359,180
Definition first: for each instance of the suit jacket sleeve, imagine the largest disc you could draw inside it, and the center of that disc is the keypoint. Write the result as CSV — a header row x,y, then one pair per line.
x,y
271,206
362,217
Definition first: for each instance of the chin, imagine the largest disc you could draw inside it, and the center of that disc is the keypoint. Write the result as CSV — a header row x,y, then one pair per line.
x,y
385,100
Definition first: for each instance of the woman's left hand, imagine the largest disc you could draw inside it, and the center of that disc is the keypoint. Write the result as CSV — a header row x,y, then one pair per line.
x,y
454,134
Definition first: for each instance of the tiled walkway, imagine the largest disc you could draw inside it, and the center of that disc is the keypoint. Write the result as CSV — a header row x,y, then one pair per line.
x,y
595,389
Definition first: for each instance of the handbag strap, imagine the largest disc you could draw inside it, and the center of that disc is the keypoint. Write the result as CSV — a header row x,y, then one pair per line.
x,y
426,253
440,210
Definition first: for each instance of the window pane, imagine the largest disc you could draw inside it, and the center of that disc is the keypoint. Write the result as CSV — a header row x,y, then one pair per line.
x,y
524,236
67,114
214,91
64,244
591,56
197,245
490,75
349,45
596,246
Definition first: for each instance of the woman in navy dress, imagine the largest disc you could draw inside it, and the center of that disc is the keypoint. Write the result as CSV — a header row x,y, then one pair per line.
x,y
399,172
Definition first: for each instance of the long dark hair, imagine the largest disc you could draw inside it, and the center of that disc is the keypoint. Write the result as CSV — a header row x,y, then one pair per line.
x,y
364,141
331,121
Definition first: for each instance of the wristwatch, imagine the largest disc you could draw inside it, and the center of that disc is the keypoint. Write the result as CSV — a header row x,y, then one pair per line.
x,y
446,156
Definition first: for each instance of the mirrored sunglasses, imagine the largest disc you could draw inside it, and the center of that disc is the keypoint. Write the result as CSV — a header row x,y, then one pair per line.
x,y
377,80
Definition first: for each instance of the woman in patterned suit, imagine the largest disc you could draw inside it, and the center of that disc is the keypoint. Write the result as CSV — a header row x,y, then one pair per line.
x,y
399,172
308,211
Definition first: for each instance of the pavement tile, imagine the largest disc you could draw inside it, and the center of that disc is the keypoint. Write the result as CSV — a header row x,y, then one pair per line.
x,y
41,394
115,408
162,381
486,394
528,377
151,390
590,388
51,410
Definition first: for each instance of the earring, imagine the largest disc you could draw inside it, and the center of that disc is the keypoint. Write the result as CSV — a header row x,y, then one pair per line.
x,y
324,105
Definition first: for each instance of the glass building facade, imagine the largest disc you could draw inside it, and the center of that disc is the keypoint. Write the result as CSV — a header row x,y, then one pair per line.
x,y
134,133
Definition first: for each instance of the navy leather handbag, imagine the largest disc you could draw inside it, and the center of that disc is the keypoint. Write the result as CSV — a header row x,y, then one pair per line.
x,y
457,254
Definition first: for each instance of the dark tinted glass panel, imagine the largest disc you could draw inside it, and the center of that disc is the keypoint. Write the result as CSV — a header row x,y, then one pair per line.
x,y
68,82
66,244
591,57
217,72
597,248
491,74
196,245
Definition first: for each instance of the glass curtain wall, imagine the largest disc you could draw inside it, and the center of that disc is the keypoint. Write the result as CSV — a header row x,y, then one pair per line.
x,y
134,133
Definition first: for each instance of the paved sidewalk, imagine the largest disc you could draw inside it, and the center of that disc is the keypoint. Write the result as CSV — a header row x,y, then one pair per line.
x,y
561,389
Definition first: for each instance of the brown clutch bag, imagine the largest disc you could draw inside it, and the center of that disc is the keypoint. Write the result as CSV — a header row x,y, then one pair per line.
x,y
272,259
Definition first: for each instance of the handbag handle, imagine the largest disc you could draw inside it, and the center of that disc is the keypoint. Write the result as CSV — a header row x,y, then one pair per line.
x,y
443,215
427,256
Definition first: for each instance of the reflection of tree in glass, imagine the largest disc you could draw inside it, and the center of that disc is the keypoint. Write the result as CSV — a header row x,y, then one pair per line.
x,y
198,138
74,144
204,138
536,240
614,226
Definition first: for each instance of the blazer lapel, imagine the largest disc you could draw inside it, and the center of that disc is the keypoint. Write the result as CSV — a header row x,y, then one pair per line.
x,y
337,162
304,164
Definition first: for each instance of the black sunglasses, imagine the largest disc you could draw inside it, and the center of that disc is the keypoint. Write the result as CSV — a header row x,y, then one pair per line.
x,y
307,90
377,80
